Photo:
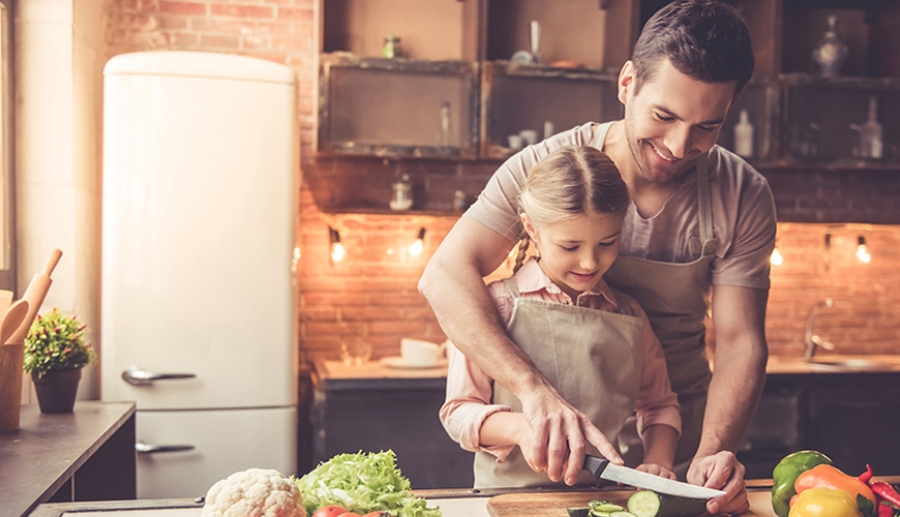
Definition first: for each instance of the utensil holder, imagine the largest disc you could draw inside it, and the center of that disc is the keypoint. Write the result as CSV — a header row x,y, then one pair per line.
x,y
11,360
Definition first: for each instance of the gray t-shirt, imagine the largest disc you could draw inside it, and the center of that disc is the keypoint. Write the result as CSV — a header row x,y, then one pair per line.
x,y
743,209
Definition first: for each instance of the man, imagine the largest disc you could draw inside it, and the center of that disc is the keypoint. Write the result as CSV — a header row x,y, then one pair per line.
x,y
701,220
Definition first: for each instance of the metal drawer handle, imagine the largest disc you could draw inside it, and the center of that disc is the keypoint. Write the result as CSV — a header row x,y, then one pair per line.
x,y
144,448
137,376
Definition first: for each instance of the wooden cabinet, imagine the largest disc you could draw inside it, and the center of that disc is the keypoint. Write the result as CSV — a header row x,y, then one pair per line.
x,y
851,417
377,413
86,455
398,107
423,106
542,100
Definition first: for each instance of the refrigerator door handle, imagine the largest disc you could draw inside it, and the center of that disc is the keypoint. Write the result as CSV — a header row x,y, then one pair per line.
x,y
137,376
144,448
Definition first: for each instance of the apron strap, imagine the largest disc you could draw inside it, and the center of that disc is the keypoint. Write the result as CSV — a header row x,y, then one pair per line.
x,y
704,201
512,286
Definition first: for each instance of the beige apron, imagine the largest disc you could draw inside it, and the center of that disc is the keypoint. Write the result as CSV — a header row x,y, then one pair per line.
x,y
591,357
675,298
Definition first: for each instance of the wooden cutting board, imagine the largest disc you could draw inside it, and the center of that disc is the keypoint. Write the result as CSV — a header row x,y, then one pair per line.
x,y
554,504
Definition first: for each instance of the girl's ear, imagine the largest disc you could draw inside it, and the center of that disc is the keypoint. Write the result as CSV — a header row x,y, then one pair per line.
x,y
529,228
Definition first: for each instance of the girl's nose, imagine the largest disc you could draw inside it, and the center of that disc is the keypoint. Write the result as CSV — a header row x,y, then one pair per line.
x,y
589,261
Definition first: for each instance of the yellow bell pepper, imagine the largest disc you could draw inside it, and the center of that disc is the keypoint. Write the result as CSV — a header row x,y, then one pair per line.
x,y
824,502
829,476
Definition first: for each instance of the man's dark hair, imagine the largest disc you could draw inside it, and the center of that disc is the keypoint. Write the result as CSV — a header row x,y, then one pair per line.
x,y
704,39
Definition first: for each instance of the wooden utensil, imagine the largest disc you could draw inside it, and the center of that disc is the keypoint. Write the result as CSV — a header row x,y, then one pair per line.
x,y
34,295
12,320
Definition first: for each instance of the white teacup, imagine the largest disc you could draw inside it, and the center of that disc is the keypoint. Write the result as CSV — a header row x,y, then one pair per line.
x,y
529,136
418,352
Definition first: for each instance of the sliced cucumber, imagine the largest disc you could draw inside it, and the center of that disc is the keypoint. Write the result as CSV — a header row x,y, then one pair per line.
x,y
647,503
622,514
606,507
644,503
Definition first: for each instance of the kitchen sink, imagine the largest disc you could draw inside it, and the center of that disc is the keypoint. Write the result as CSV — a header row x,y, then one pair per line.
x,y
855,363
850,364
836,363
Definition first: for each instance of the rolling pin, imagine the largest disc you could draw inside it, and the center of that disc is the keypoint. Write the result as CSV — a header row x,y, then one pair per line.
x,y
34,295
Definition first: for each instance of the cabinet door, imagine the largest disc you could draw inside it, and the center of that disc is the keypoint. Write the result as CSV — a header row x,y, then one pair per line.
x,y
397,107
403,420
854,421
542,100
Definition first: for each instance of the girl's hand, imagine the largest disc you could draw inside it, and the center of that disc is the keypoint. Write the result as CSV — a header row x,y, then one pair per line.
x,y
657,470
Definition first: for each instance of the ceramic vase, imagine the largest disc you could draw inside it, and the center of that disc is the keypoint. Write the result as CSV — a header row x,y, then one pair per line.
x,y
56,390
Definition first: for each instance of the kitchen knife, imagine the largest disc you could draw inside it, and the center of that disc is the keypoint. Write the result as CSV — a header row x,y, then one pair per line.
x,y
602,468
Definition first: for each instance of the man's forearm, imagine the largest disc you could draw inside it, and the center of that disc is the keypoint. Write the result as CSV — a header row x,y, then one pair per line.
x,y
737,382
466,312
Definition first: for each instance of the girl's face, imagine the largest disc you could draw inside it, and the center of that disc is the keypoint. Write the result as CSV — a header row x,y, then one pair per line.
x,y
576,252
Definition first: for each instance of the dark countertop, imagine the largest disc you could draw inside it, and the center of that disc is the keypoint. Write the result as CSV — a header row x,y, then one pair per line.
x,y
47,450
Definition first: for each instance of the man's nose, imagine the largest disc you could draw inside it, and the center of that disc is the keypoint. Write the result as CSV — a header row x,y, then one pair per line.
x,y
678,140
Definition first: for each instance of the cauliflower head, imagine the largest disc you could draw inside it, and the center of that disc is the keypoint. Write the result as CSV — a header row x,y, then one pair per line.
x,y
254,493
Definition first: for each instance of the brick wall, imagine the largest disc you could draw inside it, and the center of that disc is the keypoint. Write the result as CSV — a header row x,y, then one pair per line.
x,y
372,293
866,297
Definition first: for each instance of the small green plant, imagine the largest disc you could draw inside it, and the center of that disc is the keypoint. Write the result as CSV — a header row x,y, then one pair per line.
x,y
56,342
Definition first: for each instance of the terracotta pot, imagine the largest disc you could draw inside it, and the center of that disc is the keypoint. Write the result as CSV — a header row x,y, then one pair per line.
x,y
56,390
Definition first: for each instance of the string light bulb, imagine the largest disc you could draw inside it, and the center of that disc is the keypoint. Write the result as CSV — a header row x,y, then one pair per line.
x,y
337,249
417,247
776,259
862,251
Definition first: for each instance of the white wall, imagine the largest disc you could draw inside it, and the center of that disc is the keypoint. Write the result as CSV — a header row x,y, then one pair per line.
x,y
59,58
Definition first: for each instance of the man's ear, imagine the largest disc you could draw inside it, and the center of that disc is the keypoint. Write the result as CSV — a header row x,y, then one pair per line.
x,y
627,81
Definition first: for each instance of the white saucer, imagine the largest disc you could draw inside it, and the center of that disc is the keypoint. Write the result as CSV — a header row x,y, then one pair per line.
x,y
398,362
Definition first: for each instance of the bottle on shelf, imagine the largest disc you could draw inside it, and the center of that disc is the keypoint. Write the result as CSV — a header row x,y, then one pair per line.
x,y
871,145
831,52
445,124
391,47
402,199
743,136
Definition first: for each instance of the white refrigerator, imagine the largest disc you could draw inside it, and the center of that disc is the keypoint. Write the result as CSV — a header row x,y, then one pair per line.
x,y
200,159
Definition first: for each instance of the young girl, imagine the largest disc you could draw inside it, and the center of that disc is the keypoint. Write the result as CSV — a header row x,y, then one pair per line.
x,y
594,344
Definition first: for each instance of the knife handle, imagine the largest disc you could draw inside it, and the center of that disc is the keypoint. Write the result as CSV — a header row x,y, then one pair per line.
x,y
594,464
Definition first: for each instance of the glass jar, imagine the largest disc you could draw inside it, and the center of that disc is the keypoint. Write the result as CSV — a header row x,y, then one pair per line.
x,y
402,194
391,47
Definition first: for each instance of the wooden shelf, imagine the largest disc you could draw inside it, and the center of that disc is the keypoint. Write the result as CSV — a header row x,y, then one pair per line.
x,y
790,165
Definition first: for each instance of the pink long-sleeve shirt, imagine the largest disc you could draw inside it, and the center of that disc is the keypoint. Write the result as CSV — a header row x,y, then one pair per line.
x,y
470,389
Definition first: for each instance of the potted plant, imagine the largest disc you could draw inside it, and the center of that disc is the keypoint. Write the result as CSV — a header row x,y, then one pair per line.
x,y
55,353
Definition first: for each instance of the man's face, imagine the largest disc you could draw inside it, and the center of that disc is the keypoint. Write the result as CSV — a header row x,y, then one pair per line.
x,y
672,120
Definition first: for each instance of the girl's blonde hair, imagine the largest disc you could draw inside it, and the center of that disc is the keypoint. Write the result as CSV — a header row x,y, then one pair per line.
x,y
569,182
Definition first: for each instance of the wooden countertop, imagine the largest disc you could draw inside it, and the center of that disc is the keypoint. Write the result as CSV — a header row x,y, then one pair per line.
x,y
41,456
335,375
834,364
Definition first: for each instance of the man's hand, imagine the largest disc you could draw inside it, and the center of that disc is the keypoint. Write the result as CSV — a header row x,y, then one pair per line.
x,y
559,436
724,472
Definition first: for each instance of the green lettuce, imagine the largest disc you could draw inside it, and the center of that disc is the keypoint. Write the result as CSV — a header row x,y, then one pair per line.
x,y
362,483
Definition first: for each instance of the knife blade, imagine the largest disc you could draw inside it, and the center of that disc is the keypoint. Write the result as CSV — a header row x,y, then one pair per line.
x,y
602,468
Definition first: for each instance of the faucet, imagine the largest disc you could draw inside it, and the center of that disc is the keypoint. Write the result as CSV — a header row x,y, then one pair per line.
x,y
813,340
